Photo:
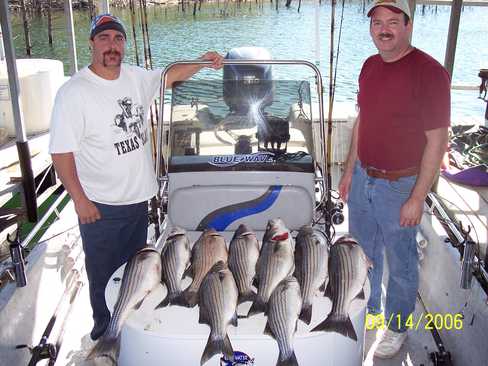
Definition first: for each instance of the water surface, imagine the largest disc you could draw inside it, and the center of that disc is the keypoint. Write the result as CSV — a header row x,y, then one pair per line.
x,y
287,34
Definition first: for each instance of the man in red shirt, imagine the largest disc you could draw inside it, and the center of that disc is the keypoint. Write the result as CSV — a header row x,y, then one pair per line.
x,y
398,142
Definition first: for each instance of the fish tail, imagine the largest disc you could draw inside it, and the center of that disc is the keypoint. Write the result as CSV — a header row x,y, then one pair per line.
x,y
247,296
290,361
106,348
227,349
166,301
341,325
187,298
215,346
306,314
258,306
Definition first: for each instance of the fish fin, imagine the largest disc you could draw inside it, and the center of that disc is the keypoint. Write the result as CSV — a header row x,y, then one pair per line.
x,y
268,330
306,314
188,272
215,346
328,291
290,361
341,325
191,298
217,267
292,270
187,298
255,281
138,304
258,306
233,320
323,286
297,274
163,303
106,348
360,295
227,349
248,296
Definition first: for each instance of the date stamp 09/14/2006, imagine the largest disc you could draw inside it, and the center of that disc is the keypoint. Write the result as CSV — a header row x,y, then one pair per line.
x,y
426,321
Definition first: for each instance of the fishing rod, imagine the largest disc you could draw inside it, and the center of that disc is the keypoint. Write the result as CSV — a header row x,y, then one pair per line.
x,y
333,207
153,111
338,49
50,350
328,203
133,23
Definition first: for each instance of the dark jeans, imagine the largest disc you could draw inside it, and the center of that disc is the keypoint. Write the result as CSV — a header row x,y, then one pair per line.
x,y
108,243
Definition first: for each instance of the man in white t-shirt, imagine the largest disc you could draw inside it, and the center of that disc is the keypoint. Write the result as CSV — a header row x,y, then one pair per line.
x,y
101,151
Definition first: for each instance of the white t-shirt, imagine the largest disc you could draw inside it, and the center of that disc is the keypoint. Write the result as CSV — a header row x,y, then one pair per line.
x,y
105,124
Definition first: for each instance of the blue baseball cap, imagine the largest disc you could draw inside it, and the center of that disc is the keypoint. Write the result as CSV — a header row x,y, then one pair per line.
x,y
106,21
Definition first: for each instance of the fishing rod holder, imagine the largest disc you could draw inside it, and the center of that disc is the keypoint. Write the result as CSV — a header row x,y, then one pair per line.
x,y
483,74
468,263
16,267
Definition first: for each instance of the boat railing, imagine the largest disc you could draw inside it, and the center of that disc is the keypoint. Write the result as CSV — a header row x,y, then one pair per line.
x,y
15,267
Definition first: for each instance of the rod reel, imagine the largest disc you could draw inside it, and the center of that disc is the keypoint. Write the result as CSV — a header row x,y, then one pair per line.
x,y
17,265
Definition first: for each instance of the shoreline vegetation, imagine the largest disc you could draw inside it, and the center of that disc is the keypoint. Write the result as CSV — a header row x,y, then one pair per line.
x,y
29,9
43,6
40,6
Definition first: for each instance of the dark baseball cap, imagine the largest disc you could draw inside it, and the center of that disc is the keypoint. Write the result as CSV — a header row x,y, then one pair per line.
x,y
106,21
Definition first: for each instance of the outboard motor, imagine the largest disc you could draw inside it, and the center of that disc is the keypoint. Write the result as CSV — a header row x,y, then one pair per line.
x,y
248,87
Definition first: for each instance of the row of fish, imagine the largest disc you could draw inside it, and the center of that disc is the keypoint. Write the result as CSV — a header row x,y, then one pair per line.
x,y
286,273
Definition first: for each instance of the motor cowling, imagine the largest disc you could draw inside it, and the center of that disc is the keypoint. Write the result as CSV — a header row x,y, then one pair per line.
x,y
248,86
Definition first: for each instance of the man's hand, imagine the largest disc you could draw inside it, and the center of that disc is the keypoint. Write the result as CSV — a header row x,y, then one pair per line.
x,y
215,57
87,211
345,185
411,212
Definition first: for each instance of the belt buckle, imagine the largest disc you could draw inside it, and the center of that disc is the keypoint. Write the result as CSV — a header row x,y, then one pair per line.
x,y
373,170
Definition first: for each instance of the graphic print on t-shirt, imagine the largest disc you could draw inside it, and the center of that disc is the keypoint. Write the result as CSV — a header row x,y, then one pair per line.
x,y
131,122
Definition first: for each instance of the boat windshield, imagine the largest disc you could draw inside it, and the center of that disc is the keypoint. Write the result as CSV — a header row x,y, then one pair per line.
x,y
240,117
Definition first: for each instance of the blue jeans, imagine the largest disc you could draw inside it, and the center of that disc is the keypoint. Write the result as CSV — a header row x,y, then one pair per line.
x,y
108,243
374,220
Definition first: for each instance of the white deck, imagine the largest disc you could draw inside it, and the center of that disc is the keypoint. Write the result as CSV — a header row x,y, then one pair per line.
x,y
45,281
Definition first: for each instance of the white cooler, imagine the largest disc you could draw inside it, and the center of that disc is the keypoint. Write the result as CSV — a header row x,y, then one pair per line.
x,y
173,336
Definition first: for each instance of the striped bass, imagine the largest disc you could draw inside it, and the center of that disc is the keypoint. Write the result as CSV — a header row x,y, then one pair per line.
x,y
243,256
275,263
141,275
208,250
348,271
218,304
175,258
311,257
284,308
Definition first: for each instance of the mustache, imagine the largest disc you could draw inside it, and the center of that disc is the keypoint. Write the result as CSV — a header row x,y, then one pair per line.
x,y
112,53
385,35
